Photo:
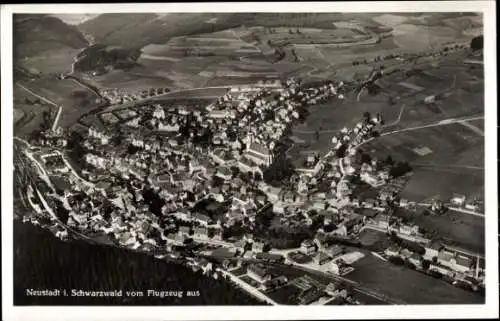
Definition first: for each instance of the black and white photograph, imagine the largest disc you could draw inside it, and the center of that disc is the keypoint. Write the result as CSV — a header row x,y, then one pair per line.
x,y
191,156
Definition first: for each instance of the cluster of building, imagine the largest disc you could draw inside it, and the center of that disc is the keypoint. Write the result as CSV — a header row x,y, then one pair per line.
x,y
261,118
309,289
117,96
454,263
244,127
472,204
331,258
320,185
53,138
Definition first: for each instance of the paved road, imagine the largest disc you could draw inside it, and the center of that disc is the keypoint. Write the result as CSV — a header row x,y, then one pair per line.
x,y
58,116
394,123
444,122
461,210
475,129
81,83
48,101
355,285
152,57
59,108
443,166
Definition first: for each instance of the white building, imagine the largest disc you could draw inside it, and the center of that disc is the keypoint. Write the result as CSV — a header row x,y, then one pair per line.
x,y
458,200
259,154
308,247
219,114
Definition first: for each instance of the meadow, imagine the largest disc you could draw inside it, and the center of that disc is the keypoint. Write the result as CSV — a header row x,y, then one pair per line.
x,y
411,286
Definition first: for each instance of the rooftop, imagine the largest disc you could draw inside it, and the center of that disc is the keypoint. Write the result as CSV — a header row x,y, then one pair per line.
x,y
259,148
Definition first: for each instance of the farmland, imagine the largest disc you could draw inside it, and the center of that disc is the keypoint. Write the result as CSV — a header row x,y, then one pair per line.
x,y
44,44
336,36
459,180
200,46
374,240
193,50
74,98
408,112
409,285
53,62
134,79
452,152
29,112
158,28
413,33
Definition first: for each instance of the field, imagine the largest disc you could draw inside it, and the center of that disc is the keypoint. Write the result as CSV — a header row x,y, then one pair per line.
x,y
479,124
198,93
374,240
44,44
196,60
156,28
409,111
191,49
135,79
424,185
413,33
455,228
447,142
408,285
18,115
282,35
453,152
184,72
53,62
449,81
74,98
28,112
216,45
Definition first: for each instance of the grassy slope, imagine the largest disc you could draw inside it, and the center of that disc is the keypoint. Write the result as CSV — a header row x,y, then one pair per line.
x,y
47,42
148,28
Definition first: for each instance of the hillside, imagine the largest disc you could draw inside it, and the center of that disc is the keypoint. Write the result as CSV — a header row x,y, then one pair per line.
x,y
138,30
97,57
79,265
35,34
45,43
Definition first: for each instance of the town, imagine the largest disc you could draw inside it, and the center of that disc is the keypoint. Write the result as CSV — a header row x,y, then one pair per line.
x,y
238,158
205,184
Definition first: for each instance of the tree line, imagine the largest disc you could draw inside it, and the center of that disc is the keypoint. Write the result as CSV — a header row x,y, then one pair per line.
x,y
43,262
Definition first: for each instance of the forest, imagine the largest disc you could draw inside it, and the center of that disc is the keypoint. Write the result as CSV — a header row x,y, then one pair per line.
x,y
42,261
